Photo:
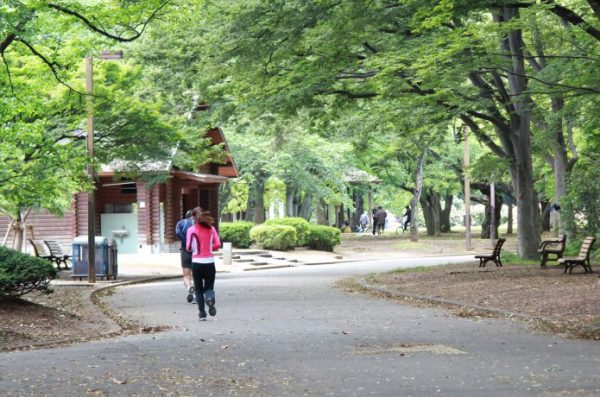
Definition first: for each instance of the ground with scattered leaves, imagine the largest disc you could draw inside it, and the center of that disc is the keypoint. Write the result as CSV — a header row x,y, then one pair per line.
x,y
65,316
554,301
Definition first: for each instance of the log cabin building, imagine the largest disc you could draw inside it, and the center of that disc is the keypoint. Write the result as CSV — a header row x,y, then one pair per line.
x,y
139,218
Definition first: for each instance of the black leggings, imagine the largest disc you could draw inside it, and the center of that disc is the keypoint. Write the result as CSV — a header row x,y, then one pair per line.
x,y
204,280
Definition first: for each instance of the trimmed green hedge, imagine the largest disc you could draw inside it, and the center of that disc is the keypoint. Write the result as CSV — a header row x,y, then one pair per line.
x,y
323,238
300,224
237,233
21,274
275,237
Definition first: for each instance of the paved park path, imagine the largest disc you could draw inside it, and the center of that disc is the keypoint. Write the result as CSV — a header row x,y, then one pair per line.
x,y
291,332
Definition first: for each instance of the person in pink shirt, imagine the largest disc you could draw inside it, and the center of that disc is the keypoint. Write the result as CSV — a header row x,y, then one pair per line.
x,y
202,239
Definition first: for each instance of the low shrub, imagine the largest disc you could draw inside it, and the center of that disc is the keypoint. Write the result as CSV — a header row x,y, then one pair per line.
x,y
21,274
300,224
275,237
323,238
237,233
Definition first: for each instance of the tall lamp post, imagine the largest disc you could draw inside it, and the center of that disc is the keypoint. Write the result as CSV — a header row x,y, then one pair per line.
x,y
89,85
467,193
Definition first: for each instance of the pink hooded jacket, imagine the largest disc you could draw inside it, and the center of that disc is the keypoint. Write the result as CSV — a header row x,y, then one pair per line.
x,y
202,241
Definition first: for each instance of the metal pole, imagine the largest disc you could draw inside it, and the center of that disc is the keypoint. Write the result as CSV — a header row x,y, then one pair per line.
x,y
467,194
89,84
493,214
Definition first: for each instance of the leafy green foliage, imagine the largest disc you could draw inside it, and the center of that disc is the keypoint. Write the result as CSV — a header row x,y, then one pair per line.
x,y
238,197
301,226
238,233
323,238
21,274
574,246
275,237
43,103
581,207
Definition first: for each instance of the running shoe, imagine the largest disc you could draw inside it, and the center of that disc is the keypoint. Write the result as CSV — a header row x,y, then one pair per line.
x,y
212,310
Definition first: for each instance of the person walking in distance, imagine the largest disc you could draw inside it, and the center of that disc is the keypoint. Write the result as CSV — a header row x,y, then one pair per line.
x,y
380,215
364,222
181,229
202,240
406,218
373,213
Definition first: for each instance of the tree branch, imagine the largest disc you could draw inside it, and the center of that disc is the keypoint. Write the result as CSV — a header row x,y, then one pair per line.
x,y
483,137
7,42
96,28
574,18
349,94
595,5
370,47
52,65
563,12
364,75
569,87
10,82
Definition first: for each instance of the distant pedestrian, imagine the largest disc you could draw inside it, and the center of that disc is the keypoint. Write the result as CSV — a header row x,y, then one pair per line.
x,y
373,213
181,229
381,216
202,240
364,222
406,217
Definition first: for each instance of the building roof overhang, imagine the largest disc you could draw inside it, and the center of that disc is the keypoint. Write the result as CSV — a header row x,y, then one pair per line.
x,y
199,177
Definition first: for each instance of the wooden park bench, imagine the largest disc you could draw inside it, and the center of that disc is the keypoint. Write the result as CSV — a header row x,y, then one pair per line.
x,y
58,254
494,256
552,247
582,259
42,250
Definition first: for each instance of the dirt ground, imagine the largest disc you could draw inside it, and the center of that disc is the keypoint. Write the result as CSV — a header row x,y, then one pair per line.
x,y
564,304
70,314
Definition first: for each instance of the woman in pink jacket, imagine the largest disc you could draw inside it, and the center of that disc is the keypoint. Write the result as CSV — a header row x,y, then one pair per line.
x,y
202,239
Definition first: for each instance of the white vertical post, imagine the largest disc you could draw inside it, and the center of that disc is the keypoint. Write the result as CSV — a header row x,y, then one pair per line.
x,y
493,214
89,84
467,193
227,254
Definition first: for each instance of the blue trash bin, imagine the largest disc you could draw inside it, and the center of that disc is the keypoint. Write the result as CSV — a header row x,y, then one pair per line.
x,y
105,258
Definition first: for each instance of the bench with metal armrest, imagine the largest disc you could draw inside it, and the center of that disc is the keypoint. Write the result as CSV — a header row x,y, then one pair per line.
x,y
57,252
554,247
494,256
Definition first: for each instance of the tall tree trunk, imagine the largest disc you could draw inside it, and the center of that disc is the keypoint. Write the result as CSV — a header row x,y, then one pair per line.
x,y
428,211
321,213
545,215
305,208
359,205
259,200
249,213
339,215
509,226
445,226
19,228
430,204
290,193
486,226
527,204
414,231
